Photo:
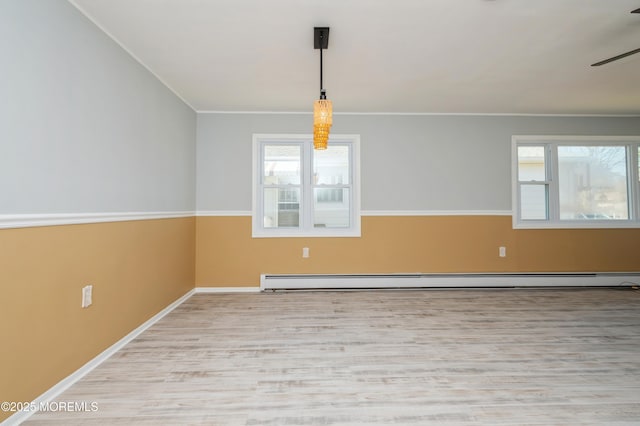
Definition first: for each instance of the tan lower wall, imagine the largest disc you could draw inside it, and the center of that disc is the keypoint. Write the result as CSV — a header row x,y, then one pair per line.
x,y
226,255
136,268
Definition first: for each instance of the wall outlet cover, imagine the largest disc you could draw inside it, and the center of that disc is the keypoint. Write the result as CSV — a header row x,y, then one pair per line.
x,y
87,296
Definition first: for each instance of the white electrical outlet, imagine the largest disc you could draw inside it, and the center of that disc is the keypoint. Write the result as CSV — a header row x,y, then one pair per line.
x,y
502,251
87,296
305,252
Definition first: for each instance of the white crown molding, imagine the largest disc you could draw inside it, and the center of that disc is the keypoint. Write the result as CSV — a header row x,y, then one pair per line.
x,y
32,220
578,138
451,114
255,112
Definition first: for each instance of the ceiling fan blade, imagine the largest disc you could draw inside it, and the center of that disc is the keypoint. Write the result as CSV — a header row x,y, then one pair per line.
x,y
615,58
623,55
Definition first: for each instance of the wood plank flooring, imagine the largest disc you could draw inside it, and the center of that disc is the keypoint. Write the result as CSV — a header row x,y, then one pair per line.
x,y
454,357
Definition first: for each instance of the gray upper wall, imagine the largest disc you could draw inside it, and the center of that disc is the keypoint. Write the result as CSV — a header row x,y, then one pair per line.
x,y
410,162
83,126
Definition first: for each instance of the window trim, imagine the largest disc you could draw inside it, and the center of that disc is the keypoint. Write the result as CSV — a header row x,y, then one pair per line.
x,y
632,143
257,228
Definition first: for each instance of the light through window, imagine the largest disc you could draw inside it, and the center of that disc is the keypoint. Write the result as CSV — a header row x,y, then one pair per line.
x,y
592,182
299,191
576,181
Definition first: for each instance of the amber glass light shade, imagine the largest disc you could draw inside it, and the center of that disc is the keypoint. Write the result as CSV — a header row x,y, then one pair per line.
x,y
322,120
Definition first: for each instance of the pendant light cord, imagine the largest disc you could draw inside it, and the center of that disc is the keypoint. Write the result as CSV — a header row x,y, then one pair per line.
x,y
322,91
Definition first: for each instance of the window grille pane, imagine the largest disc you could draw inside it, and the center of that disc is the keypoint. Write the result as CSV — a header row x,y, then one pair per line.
x,y
331,166
281,207
329,195
281,164
593,182
531,163
334,213
533,202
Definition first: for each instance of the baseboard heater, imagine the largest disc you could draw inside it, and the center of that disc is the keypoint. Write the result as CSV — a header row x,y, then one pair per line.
x,y
419,280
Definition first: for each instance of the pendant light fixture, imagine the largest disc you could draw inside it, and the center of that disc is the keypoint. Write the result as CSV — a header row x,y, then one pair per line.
x,y
322,108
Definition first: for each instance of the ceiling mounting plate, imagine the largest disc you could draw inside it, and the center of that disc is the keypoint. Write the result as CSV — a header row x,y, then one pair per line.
x,y
320,37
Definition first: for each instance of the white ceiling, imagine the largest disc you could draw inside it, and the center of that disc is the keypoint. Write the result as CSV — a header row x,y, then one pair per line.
x,y
411,56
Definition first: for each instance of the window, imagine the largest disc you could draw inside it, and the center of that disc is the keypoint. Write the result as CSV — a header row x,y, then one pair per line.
x,y
576,182
302,192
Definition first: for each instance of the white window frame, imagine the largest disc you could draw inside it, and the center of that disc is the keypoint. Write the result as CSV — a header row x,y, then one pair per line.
x,y
551,143
306,228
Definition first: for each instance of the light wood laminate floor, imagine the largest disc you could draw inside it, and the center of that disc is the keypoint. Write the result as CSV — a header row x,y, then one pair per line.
x,y
491,357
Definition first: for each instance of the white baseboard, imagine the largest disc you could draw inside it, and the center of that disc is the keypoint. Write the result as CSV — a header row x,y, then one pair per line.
x,y
68,381
227,289
447,280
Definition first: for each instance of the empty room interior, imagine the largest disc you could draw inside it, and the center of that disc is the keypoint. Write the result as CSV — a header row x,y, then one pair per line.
x,y
319,212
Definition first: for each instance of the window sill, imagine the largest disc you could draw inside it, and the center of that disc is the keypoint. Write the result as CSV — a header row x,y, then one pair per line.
x,y
327,233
